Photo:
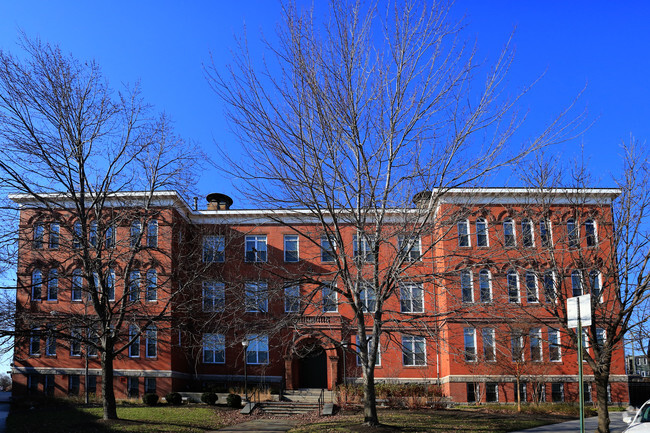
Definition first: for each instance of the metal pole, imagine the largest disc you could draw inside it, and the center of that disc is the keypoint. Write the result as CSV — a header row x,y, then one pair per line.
x,y
245,378
87,396
582,394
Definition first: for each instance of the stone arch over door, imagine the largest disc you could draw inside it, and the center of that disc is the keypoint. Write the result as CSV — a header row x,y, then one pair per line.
x,y
311,355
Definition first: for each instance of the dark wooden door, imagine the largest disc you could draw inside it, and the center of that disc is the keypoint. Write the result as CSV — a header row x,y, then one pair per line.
x,y
313,369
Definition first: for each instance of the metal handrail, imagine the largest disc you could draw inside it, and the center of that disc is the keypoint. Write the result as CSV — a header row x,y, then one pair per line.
x,y
321,401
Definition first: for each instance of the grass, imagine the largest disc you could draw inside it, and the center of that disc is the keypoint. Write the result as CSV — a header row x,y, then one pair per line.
x,y
68,418
453,420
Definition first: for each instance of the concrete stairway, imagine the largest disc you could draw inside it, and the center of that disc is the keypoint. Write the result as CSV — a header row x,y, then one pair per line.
x,y
296,402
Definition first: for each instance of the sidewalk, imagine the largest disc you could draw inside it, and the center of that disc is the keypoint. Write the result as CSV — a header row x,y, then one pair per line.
x,y
616,425
261,426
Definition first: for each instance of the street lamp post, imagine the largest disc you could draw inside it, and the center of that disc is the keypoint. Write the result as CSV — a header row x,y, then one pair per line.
x,y
245,344
344,346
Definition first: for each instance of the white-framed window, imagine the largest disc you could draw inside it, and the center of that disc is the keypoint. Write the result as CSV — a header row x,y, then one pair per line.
x,y
152,234
469,335
39,234
587,392
482,234
600,340
527,233
363,248
291,248
411,298
512,279
110,236
410,247
77,235
509,236
327,249
545,233
573,236
255,246
466,286
489,347
369,339
35,342
151,341
93,234
257,300
214,296
485,285
134,338
93,342
77,285
151,292
75,342
292,299
50,342
257,351
591,233
549,286
214,249
554,345
135,234
535,339
52,285
463,233
329,298
517,346
214,349
595,284
414,351
576,283
110,284
54,236
134,286
368,297
532,293
37,285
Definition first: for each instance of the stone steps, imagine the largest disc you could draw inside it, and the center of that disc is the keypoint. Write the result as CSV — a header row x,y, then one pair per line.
x,y
287,408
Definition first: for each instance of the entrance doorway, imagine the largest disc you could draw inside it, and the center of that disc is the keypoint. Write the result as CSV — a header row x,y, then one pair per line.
x,y
312,368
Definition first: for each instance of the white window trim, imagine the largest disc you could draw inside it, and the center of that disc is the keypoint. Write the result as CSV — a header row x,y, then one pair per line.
x,y
369,341
257,240
413,338
492,333
536,333
219,341
531,227
325,251
489,282
535,286
407,245
471,286
218,297
217,247
410,287
558,345
549,233
593,223
297,248
467,235
510,222
286,304
334,297
147,331
133,330
517,286
257,338
35,336
256,297
474,346
487,232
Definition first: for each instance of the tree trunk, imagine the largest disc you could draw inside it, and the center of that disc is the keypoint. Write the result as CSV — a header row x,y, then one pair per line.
x,y
518,394
369,398
602,380
108,392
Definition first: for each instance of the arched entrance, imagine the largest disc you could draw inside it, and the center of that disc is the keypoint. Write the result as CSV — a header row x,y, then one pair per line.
x,y
312,368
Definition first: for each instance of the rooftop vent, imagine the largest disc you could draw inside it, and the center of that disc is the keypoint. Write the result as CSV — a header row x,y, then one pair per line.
x,y
218,201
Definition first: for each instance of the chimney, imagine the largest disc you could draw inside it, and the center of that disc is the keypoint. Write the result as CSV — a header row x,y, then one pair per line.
x,y
218,201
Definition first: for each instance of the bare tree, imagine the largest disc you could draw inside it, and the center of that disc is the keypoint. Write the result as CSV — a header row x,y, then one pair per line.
x,y
347,124
73,151
599,246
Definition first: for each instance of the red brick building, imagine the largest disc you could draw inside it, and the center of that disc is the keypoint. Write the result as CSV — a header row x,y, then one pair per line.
x,y
483,280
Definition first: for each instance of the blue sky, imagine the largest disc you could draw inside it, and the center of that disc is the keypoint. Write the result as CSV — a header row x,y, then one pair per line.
x,y
164,44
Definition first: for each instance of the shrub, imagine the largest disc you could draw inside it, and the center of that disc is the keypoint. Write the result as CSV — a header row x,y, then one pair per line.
x,y
234,400
150,399
209,398
174,398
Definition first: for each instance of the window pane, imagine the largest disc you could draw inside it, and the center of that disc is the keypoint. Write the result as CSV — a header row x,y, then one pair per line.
x,y
481,233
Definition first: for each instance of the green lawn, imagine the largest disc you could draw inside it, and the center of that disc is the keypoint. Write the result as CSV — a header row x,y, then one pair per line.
x,y
132,419
465,421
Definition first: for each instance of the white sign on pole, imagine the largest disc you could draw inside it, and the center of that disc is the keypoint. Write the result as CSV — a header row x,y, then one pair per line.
x,y
578,306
